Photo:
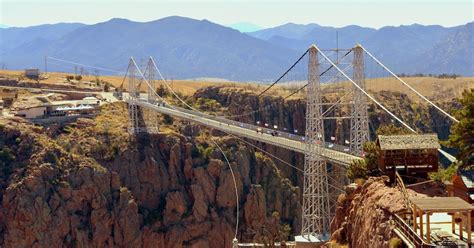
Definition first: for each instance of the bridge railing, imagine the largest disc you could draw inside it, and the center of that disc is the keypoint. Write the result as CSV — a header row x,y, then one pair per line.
x,y
244,130
401,185
409,233
282,134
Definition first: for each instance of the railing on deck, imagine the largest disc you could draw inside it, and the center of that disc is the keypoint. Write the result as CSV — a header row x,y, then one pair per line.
x,y
403,189
283,139
282,134
409,233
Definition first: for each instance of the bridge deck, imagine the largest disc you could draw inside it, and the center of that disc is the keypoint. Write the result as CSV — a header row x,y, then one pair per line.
x,y
284,140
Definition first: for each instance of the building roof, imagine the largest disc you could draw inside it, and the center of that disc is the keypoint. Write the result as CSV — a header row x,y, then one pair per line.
x,y
441,204
90,98
467,177
408,141
80,107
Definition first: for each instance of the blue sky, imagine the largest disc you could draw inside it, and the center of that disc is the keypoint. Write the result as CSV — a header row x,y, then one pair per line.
x,y
264,13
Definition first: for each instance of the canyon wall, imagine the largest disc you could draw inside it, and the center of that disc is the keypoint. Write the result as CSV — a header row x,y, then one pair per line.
x,y
90,185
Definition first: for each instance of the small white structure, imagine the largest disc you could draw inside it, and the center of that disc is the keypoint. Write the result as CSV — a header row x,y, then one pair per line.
x,y
90,100
32,73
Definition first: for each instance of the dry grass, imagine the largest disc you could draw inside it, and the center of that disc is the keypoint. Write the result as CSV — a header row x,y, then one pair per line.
x,y
186,87
432,88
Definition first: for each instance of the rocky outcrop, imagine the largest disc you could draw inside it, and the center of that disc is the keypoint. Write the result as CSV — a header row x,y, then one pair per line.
x,y
56,199
90,185
290,114
363,214
255,209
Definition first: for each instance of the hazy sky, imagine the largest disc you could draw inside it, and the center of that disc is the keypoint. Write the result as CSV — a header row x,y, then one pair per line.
x,y
265,13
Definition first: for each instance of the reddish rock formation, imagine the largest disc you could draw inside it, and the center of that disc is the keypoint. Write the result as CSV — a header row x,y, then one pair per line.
x,y
89,185
363,214
255,207
55,199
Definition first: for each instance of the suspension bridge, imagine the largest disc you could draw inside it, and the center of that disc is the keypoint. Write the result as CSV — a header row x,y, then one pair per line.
x,y
321,185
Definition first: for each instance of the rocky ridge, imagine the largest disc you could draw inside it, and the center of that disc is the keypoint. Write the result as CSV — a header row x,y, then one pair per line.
x,y
363,214
89,185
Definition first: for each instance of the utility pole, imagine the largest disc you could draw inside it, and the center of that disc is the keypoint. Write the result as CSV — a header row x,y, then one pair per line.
x,y
97,79
46,64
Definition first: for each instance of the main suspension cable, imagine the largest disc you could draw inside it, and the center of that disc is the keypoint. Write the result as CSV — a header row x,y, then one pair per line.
x,y
288,96
410,87
378,103
284,74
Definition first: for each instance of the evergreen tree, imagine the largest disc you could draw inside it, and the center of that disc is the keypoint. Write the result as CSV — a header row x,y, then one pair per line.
x,y
462,133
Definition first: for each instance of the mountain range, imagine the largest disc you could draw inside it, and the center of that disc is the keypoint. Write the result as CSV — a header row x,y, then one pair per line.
x,y
189,48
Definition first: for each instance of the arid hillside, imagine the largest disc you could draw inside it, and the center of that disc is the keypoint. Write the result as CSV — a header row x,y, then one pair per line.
x,y
431,87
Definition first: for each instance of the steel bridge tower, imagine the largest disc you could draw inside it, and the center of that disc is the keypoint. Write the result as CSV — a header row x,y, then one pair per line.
x,y
140,119
316,211
151,118
133,92
359,114
150,77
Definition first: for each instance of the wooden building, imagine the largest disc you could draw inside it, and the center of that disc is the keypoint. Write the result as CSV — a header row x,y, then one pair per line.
x,y
424,207
411,155
32,73
462,185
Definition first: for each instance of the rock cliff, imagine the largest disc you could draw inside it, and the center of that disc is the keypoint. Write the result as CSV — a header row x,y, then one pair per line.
x,y
363,214
90,185
290,114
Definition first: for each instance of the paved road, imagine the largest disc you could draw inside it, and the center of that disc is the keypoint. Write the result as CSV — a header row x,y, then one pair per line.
x,y
249,131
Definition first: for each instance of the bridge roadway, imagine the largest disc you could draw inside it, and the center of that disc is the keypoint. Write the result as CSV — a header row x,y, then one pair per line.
x,y
332,152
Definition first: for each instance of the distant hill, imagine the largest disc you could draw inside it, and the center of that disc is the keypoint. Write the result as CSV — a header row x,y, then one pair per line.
x,y
186,48
183,47
245,27
403,48
14,37
452,53
289,31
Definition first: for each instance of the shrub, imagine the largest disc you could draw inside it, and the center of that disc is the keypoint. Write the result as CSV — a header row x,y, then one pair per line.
x,y
78,77
341,198
162,91
443,174
391,129
207,152
395,243
359,181
461,133
195,153
106,86
357,169
167,119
